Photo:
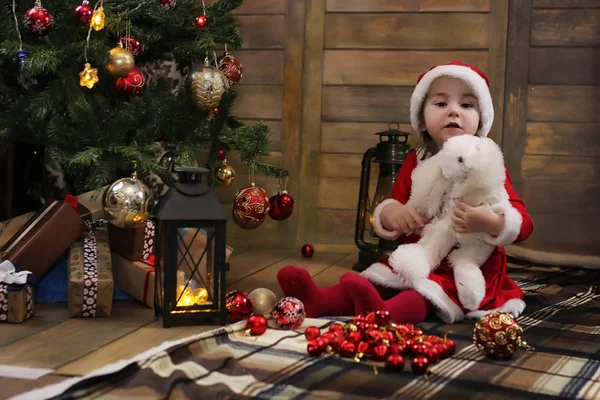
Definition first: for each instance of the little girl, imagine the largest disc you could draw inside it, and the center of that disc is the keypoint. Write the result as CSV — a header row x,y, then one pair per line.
x,y
448,100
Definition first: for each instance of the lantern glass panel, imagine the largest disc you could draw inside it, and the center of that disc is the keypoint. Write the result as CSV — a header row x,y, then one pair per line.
x,y
197,282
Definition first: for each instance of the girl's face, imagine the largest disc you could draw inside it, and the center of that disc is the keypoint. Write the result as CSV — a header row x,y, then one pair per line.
x,y
450,109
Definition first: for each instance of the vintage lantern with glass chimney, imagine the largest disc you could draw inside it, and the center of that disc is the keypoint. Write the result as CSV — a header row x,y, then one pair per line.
x,y
389,154
190,252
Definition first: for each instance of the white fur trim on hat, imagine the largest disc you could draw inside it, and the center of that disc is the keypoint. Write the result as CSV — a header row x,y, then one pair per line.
x,y
512,225
379,229
472,78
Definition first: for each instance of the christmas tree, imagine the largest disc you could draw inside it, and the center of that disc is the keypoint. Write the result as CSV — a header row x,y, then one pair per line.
x,y
85,81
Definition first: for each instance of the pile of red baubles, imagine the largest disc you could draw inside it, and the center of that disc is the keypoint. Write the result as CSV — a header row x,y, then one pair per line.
x,y
373,337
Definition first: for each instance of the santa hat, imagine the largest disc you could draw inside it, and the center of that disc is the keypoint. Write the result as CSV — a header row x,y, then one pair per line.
x,y
474,77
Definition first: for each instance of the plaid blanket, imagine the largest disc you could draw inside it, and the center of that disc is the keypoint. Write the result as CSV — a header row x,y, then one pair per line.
x,y
562,322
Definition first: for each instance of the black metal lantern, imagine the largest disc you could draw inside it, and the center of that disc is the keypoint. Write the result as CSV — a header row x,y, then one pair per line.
x,y
389,153
190,252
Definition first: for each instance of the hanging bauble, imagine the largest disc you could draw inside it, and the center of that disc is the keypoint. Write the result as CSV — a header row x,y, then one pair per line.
x,y
238,305
134,46
38,20
285,202
263,301
127,202
308,250
256,325
498,335
208,85
21,57
289,313
276,212
221,154
250,207
168,4
132,85
120,61
98,19
225,174
231,67
83,12
201,21
89,76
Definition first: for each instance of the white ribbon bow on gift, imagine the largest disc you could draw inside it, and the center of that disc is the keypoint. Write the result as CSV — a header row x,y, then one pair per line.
x,y
9,275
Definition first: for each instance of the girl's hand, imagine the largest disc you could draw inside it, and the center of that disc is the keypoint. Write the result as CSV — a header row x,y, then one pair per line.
x,y
401,218
467,219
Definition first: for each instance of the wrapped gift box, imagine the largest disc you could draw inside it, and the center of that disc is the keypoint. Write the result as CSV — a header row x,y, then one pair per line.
x,y
90,204
136,278
44,237
17,300
11,226
135,244
91,283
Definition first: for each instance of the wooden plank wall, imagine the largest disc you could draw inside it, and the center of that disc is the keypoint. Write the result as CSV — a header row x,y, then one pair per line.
x,y
362,59
552,121
270,90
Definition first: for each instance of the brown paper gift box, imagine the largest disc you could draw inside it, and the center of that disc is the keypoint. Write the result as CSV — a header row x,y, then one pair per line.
x,y
136,278
16,305
91,282
44,237
11,226
134,244
92,204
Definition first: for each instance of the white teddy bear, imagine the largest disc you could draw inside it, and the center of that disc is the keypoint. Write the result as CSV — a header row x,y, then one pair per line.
x,y
472,169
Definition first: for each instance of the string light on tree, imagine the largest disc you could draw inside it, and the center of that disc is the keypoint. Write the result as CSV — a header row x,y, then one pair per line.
x,y
201,20
98,17
21,54
89,76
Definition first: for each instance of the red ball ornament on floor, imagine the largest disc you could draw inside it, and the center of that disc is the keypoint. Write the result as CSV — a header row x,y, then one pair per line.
x,y
134,46
257,324
498,335
38,20
420,364
201,21
168,4
83,12
238,305
312,332
316,347
250,207
289,313
132,85
231,68
308,250
395,362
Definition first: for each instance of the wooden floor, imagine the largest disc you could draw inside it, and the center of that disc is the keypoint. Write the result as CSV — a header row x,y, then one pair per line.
x,y
75,346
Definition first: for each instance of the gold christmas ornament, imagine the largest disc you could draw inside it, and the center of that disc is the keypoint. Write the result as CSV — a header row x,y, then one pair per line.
x,y
89,76
120,61
127,202
263,301
225,174
98,18
208,85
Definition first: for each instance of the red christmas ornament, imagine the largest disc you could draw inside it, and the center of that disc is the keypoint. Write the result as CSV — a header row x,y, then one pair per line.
x,y
336,342
257,324
134,46
395,362
347,348
316,347
382,317
432,354
38,20
442,349
419,349
289,313
312,332
83,12
498,335
231,68
355,336
380,352
132,85
337,329
238,305
451,346
285,202
328,337
201,21
308,250
168,4
396,348
221,154
276,212
250,207
420,364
